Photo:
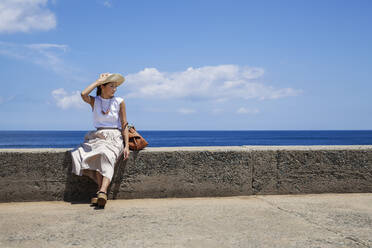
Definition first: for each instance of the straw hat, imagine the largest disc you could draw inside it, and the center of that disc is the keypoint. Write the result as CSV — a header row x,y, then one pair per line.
x,y
116,78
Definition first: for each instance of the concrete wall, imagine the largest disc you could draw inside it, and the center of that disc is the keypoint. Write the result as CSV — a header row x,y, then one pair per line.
x,y
45,174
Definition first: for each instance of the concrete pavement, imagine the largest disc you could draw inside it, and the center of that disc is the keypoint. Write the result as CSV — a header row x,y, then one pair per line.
x,y
319,220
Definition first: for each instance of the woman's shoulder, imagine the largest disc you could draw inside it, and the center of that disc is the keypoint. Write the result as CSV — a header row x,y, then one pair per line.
x,y
119,99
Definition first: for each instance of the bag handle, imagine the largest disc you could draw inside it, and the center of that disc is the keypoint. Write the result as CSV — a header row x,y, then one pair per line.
x,y
125,125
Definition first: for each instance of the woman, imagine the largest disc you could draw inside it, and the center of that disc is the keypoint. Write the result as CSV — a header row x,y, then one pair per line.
x,y
97,155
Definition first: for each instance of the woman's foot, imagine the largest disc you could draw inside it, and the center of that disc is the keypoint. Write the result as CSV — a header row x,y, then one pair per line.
x,y
102,199
94,200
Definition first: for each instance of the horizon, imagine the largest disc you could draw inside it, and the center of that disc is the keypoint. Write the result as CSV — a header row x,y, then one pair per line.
x,y
204,130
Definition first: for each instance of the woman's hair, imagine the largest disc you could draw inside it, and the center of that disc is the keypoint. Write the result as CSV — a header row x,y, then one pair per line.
x,y
99,90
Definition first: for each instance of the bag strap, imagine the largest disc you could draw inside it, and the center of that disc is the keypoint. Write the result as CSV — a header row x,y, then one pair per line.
x,y
125,125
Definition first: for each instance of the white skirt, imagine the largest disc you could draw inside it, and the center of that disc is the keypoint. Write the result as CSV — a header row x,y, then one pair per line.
x,y
99,152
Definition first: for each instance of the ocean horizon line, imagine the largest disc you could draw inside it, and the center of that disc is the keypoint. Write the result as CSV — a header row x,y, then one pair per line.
x,y
161,138
182,130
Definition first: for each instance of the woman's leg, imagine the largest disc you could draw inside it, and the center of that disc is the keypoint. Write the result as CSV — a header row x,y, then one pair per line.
x,y
99,180
103,182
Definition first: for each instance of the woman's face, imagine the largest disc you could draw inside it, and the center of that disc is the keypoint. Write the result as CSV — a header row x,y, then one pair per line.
x,y
108,90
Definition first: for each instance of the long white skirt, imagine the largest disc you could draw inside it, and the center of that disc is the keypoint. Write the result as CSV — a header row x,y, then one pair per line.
x,y
99,152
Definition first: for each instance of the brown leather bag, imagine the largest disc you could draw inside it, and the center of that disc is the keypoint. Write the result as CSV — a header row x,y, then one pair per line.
x,y
136,141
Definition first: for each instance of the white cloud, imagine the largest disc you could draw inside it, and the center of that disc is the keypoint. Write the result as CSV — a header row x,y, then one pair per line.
x,y
65,100
107,3
45,55
219,83
45,46
186,111
25,16
6,99
48,55
244,110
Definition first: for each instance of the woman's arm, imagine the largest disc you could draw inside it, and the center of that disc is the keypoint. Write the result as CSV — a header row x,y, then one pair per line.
x,y
85,93
124,129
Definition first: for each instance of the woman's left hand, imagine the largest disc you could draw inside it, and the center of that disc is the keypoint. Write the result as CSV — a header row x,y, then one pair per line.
x,y
126,153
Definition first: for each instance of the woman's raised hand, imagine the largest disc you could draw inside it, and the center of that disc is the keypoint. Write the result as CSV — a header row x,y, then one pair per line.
x,y
103,76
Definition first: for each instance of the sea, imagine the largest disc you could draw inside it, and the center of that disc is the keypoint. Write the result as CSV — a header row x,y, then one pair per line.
x,y
71,139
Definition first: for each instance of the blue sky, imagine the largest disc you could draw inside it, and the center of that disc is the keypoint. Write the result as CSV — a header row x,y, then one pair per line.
x,y
189,65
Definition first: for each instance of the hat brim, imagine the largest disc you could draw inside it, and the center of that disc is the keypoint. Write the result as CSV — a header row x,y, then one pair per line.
x,y
116,78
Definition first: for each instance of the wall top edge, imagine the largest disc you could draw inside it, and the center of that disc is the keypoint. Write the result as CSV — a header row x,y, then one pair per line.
x,y
208,148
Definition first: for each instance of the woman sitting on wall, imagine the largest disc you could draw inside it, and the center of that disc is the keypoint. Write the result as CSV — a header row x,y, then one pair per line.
x,y
101,148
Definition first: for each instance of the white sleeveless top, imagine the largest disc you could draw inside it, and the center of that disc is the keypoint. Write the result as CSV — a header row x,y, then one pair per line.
x,y
112,119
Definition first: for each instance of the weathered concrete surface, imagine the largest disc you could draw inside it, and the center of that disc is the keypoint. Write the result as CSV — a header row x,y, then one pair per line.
x,y
322,220
45,174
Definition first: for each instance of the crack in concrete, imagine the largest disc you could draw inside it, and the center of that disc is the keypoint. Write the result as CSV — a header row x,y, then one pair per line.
x,y
302,216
